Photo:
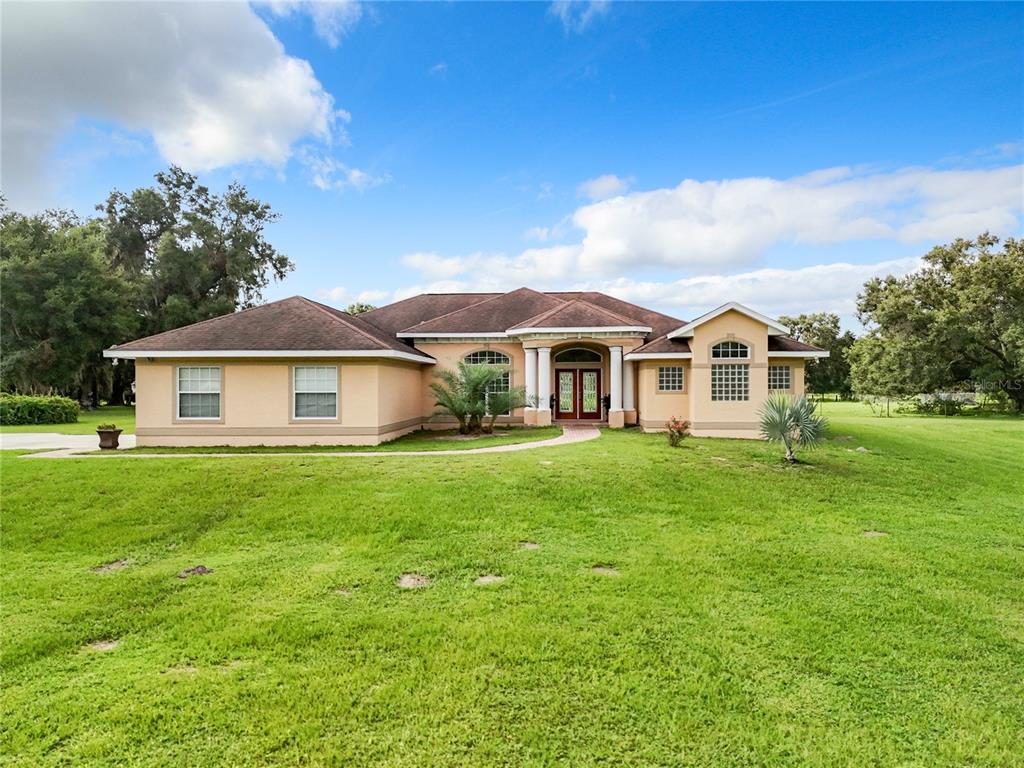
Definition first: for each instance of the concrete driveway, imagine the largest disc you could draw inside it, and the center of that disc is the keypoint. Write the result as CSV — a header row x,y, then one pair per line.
x,y
34,441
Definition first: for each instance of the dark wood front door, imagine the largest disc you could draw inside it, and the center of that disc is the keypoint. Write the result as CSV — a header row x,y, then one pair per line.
x,y
578,394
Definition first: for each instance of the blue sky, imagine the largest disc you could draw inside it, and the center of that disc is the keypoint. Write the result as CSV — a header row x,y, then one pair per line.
x,y
678,155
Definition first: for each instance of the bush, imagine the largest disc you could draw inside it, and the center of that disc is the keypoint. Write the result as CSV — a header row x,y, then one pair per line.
x,y
31,409
677,430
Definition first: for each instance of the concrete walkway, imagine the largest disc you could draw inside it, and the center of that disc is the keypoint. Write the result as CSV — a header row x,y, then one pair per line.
x,y
570,434
35,441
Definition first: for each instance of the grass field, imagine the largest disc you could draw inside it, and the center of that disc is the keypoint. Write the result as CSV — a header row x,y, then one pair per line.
x,y
121,415
751,624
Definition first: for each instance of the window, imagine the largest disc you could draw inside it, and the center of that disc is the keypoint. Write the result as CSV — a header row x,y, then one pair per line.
x,y
733,349
316,392
487,357
730,382
578,355
778,377
199,392
490,357
670,378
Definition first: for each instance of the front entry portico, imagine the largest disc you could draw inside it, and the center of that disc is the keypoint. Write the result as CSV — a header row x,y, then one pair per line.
x,y
578,394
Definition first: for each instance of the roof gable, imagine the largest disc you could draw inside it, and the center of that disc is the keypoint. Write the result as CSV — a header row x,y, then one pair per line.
x,y
494,315
775,328
580,314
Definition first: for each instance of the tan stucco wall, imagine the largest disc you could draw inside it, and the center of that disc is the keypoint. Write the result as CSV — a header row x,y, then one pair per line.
x,y
715,418
448,356
656,407
377,400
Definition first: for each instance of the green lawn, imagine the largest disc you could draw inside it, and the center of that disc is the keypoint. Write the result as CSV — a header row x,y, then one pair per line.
x,y
424,440
121,415
753,624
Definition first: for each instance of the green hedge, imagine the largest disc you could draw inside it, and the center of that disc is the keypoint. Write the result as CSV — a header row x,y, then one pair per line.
x,y
29,409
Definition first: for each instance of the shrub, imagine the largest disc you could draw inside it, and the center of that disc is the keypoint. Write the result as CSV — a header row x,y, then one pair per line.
x,y
677,430
106,427
33,409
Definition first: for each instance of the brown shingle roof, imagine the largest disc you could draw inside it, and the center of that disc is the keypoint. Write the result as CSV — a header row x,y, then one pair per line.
x,y
578,313
789,344
660,345
493,315
290,324
418,309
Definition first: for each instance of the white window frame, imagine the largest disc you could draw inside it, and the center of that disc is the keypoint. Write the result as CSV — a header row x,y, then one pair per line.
x,y
733,346
178,393
733,379
296,392
673,369
775,369
506,362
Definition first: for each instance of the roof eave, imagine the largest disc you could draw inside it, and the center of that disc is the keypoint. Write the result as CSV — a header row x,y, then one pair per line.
x,y
582,329
390,354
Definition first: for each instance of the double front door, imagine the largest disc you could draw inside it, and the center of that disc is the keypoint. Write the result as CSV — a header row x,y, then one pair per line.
x,y
578,394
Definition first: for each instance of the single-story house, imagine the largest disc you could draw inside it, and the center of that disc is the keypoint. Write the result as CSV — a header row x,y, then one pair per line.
x,y
297,372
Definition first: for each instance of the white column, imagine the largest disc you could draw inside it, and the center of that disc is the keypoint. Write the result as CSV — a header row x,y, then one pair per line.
x,y
628,394
616,392
544,377
531,377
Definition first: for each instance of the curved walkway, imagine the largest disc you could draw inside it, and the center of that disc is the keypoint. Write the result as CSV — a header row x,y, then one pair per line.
x,y
570,434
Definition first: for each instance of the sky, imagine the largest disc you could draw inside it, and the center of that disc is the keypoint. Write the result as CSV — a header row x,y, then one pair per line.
x,y
678,155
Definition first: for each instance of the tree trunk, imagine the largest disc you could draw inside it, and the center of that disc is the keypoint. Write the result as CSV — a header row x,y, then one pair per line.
x,y
1015,393
94,393
117,385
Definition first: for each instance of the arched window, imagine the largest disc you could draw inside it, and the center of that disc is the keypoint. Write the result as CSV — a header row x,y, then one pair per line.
x,y
487,357
578,355
491,357
730,349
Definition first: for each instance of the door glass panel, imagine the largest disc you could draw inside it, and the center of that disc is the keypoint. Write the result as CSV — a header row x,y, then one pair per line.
x,y
590,391
565,391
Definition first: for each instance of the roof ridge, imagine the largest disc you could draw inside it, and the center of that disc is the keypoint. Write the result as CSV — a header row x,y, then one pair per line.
x,y
411,328
210,320
344,321
554,311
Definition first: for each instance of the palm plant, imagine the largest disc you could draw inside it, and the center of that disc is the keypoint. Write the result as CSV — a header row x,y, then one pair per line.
x,y
500,403
462,393
792,421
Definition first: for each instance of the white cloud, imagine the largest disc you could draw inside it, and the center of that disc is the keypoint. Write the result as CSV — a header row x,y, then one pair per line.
x,y
822,287
327,172
332,19
577,15
708,226
818,288
717,227
441,68
603,187
714,232
208,81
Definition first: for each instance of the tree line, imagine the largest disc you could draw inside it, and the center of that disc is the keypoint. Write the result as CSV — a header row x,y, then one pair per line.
x,y
151,260
175,253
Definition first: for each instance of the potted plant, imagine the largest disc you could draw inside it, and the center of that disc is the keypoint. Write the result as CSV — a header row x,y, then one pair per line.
x,y
108,436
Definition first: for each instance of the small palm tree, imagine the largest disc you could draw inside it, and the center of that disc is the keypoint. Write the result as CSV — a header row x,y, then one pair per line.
x,y
792,421
501,403
462,393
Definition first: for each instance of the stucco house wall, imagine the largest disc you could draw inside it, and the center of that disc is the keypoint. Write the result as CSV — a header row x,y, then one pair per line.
x,y
377,401
656,407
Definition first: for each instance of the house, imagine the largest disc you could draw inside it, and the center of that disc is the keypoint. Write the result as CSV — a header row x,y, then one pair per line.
x,y
297,372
